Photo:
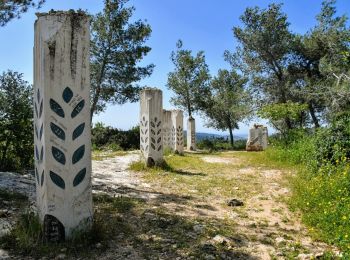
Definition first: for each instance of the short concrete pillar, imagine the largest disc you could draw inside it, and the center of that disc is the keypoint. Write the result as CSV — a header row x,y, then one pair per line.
x,y
257,138
177,135
62,123
151,114
191,134
167,127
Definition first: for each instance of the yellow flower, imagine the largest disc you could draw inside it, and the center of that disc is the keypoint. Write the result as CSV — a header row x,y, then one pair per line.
x,y
344,217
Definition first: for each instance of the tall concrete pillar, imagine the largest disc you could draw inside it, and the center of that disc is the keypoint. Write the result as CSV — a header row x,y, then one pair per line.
x,y
62,123
151,113
191,134
177,134
257,138
167,125
265,137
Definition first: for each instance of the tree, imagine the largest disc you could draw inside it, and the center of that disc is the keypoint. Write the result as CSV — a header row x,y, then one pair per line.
x,y
319,54
263,54
190,79
116,48
10,9
228,103
16,122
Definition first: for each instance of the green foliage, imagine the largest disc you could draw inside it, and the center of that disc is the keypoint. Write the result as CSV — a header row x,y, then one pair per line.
x,y
276,113
114,139
190,79
11,9
220,144
117,46
16,122
228,102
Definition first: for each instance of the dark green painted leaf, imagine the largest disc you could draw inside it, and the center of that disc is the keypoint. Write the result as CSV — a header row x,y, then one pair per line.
x,y
78,154
79,177
55,107
42,178
42,153
67,94
160,147
159,123
38,95
58,155
41,131
36,131
78,131
56,179
41,109
153,147
159,139
78,108
37,175
36,110
58,131
36,153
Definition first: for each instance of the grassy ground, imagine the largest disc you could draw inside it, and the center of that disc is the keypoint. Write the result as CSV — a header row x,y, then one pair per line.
x,y
183,214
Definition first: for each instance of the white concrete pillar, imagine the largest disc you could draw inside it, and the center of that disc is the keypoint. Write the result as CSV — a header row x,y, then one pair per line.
x,y
191,134
265,137
62,123
167,125
177,134
256,138
151,113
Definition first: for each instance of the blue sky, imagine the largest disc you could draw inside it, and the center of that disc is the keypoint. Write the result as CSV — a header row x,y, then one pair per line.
x,y
201,24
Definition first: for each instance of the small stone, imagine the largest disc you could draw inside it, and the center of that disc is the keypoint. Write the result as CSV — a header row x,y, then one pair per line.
x,y
219,239
235,203
305,256
198,228
279,240
61,256
209,257
319,255
98,245
63,250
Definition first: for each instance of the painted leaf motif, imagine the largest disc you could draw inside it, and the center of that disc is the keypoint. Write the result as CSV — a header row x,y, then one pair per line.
x,y
152,124
58,131
78,108
160,147
159,123
78,131
78,154
38,95
55,107
42,178
37,175
159,131
159,139
153,140
36,110
153,147
58,155
41,131
36,153
67,94
42,153
36,131
41,109
79,177
56,179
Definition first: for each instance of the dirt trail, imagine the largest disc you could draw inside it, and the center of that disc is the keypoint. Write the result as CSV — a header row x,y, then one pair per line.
x,y
264,228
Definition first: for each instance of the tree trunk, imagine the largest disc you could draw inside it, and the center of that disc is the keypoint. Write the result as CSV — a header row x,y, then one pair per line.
x,y
231,136
313,115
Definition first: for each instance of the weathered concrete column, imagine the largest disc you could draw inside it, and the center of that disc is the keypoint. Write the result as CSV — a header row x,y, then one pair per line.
x,y
62,123
257,138
151,113
167,125
191,134
177,134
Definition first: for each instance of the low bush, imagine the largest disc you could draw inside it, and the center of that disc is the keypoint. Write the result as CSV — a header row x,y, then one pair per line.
x,y
217,144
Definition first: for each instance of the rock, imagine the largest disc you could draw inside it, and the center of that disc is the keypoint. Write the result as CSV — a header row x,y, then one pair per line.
x,y
63,250
279,240
219,239
4,254
198,228
319,255
305,256
209,257
98,245
61,256
235,203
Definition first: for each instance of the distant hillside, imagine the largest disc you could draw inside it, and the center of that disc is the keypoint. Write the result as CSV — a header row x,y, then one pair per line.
x,y
201,136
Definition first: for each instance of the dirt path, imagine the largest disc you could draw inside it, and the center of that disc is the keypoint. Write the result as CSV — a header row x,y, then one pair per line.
x,y
183,213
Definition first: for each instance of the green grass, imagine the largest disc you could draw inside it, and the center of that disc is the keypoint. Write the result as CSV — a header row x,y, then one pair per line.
x,y
100,155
